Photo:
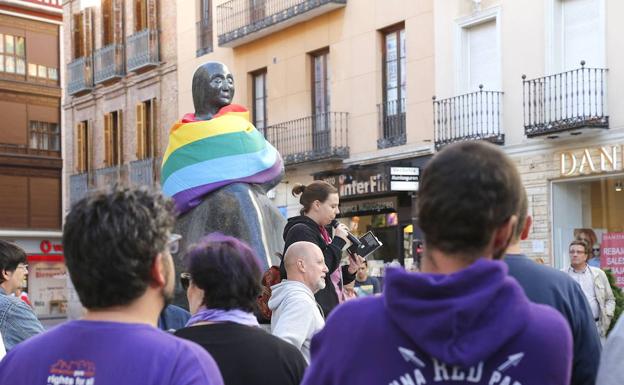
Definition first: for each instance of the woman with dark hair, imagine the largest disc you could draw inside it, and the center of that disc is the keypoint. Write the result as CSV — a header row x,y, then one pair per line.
x,y
222,284
320,206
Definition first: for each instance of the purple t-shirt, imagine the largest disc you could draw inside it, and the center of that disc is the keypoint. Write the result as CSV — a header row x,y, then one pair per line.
x,y
103,353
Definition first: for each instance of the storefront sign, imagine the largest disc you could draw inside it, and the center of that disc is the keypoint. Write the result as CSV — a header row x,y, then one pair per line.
x,y
368,206
592,160
358,183
612,255
404,178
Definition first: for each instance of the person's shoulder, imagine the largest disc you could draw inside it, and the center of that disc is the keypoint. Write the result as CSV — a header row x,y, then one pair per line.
x,y
546,323
541,273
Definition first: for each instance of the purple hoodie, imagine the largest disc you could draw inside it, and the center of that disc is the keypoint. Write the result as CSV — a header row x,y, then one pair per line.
x,y
475,326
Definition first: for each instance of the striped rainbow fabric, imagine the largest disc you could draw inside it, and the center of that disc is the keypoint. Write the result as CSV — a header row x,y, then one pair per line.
x,y
205,155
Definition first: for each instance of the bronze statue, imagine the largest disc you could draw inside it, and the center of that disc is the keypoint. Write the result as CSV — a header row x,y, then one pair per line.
x,y
218,168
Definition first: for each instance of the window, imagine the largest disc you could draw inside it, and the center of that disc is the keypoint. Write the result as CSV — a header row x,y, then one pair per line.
x,y
204,28
113,148
44,136
12,54
481,57
394,69
146,130
83,147
42,72
392,109
320,99
259,99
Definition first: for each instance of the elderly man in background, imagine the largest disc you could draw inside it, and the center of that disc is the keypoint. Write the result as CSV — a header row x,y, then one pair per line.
x,y
594,283
296,315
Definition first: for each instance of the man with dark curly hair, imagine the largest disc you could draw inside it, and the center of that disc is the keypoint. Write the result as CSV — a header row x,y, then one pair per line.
x,y
117,254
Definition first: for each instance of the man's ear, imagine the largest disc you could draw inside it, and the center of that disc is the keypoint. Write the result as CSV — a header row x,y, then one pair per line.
x,y
527,228
301,265
158,272
504,233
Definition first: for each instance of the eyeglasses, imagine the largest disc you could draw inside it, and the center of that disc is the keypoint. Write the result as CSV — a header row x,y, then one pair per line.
x,y
23,266
185,280
580,252
173,243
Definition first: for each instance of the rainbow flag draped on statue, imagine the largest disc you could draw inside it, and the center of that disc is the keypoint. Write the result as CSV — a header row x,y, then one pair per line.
x,y
204,155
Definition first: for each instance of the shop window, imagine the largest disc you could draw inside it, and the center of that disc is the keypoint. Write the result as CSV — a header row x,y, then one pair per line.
x,y
12,54
44,136
259,91
113,139
146,129
594,205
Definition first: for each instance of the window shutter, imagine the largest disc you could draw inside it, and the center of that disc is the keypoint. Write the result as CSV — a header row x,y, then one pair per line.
x,y
118,22
154,132
140,130
89,145
88,31
119,137
152,15
78,36
80,147
108,145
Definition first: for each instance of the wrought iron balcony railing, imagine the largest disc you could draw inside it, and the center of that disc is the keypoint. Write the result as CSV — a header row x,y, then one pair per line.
x,y
391,124
80,76
143,172
204,36
142,50
317,137
473,116
78,187
240,21
565,101
109,63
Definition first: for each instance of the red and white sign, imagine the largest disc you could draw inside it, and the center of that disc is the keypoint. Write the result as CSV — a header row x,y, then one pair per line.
x,y
612,255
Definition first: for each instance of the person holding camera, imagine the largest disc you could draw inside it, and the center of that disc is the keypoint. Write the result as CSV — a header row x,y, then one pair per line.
x,y
320,206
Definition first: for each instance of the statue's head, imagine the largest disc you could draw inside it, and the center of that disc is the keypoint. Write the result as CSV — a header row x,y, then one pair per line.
x,y
213,88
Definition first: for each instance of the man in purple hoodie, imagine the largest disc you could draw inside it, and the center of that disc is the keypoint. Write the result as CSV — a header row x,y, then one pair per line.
x,y
463,320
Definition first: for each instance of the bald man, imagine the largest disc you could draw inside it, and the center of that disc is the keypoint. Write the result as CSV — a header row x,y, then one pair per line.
x,y
296,315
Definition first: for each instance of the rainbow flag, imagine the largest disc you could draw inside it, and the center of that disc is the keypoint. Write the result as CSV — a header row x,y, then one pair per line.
x,y
204,155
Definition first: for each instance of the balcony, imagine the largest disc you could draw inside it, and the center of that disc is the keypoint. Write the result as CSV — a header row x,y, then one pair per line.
x,y
391,124
472,116
204,37
142,50
241,21
144,172
313,138
567,101
109,63
80,76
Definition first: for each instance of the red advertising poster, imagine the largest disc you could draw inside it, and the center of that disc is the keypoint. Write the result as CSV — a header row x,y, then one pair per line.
x,y
612,255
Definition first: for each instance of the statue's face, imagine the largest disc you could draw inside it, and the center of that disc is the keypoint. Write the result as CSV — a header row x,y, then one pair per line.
x,y
220,86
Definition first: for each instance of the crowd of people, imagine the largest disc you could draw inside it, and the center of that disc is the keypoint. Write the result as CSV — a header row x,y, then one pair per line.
x,y
477,312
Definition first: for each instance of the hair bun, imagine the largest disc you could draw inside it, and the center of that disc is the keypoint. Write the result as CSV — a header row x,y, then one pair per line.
x,y
298,189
